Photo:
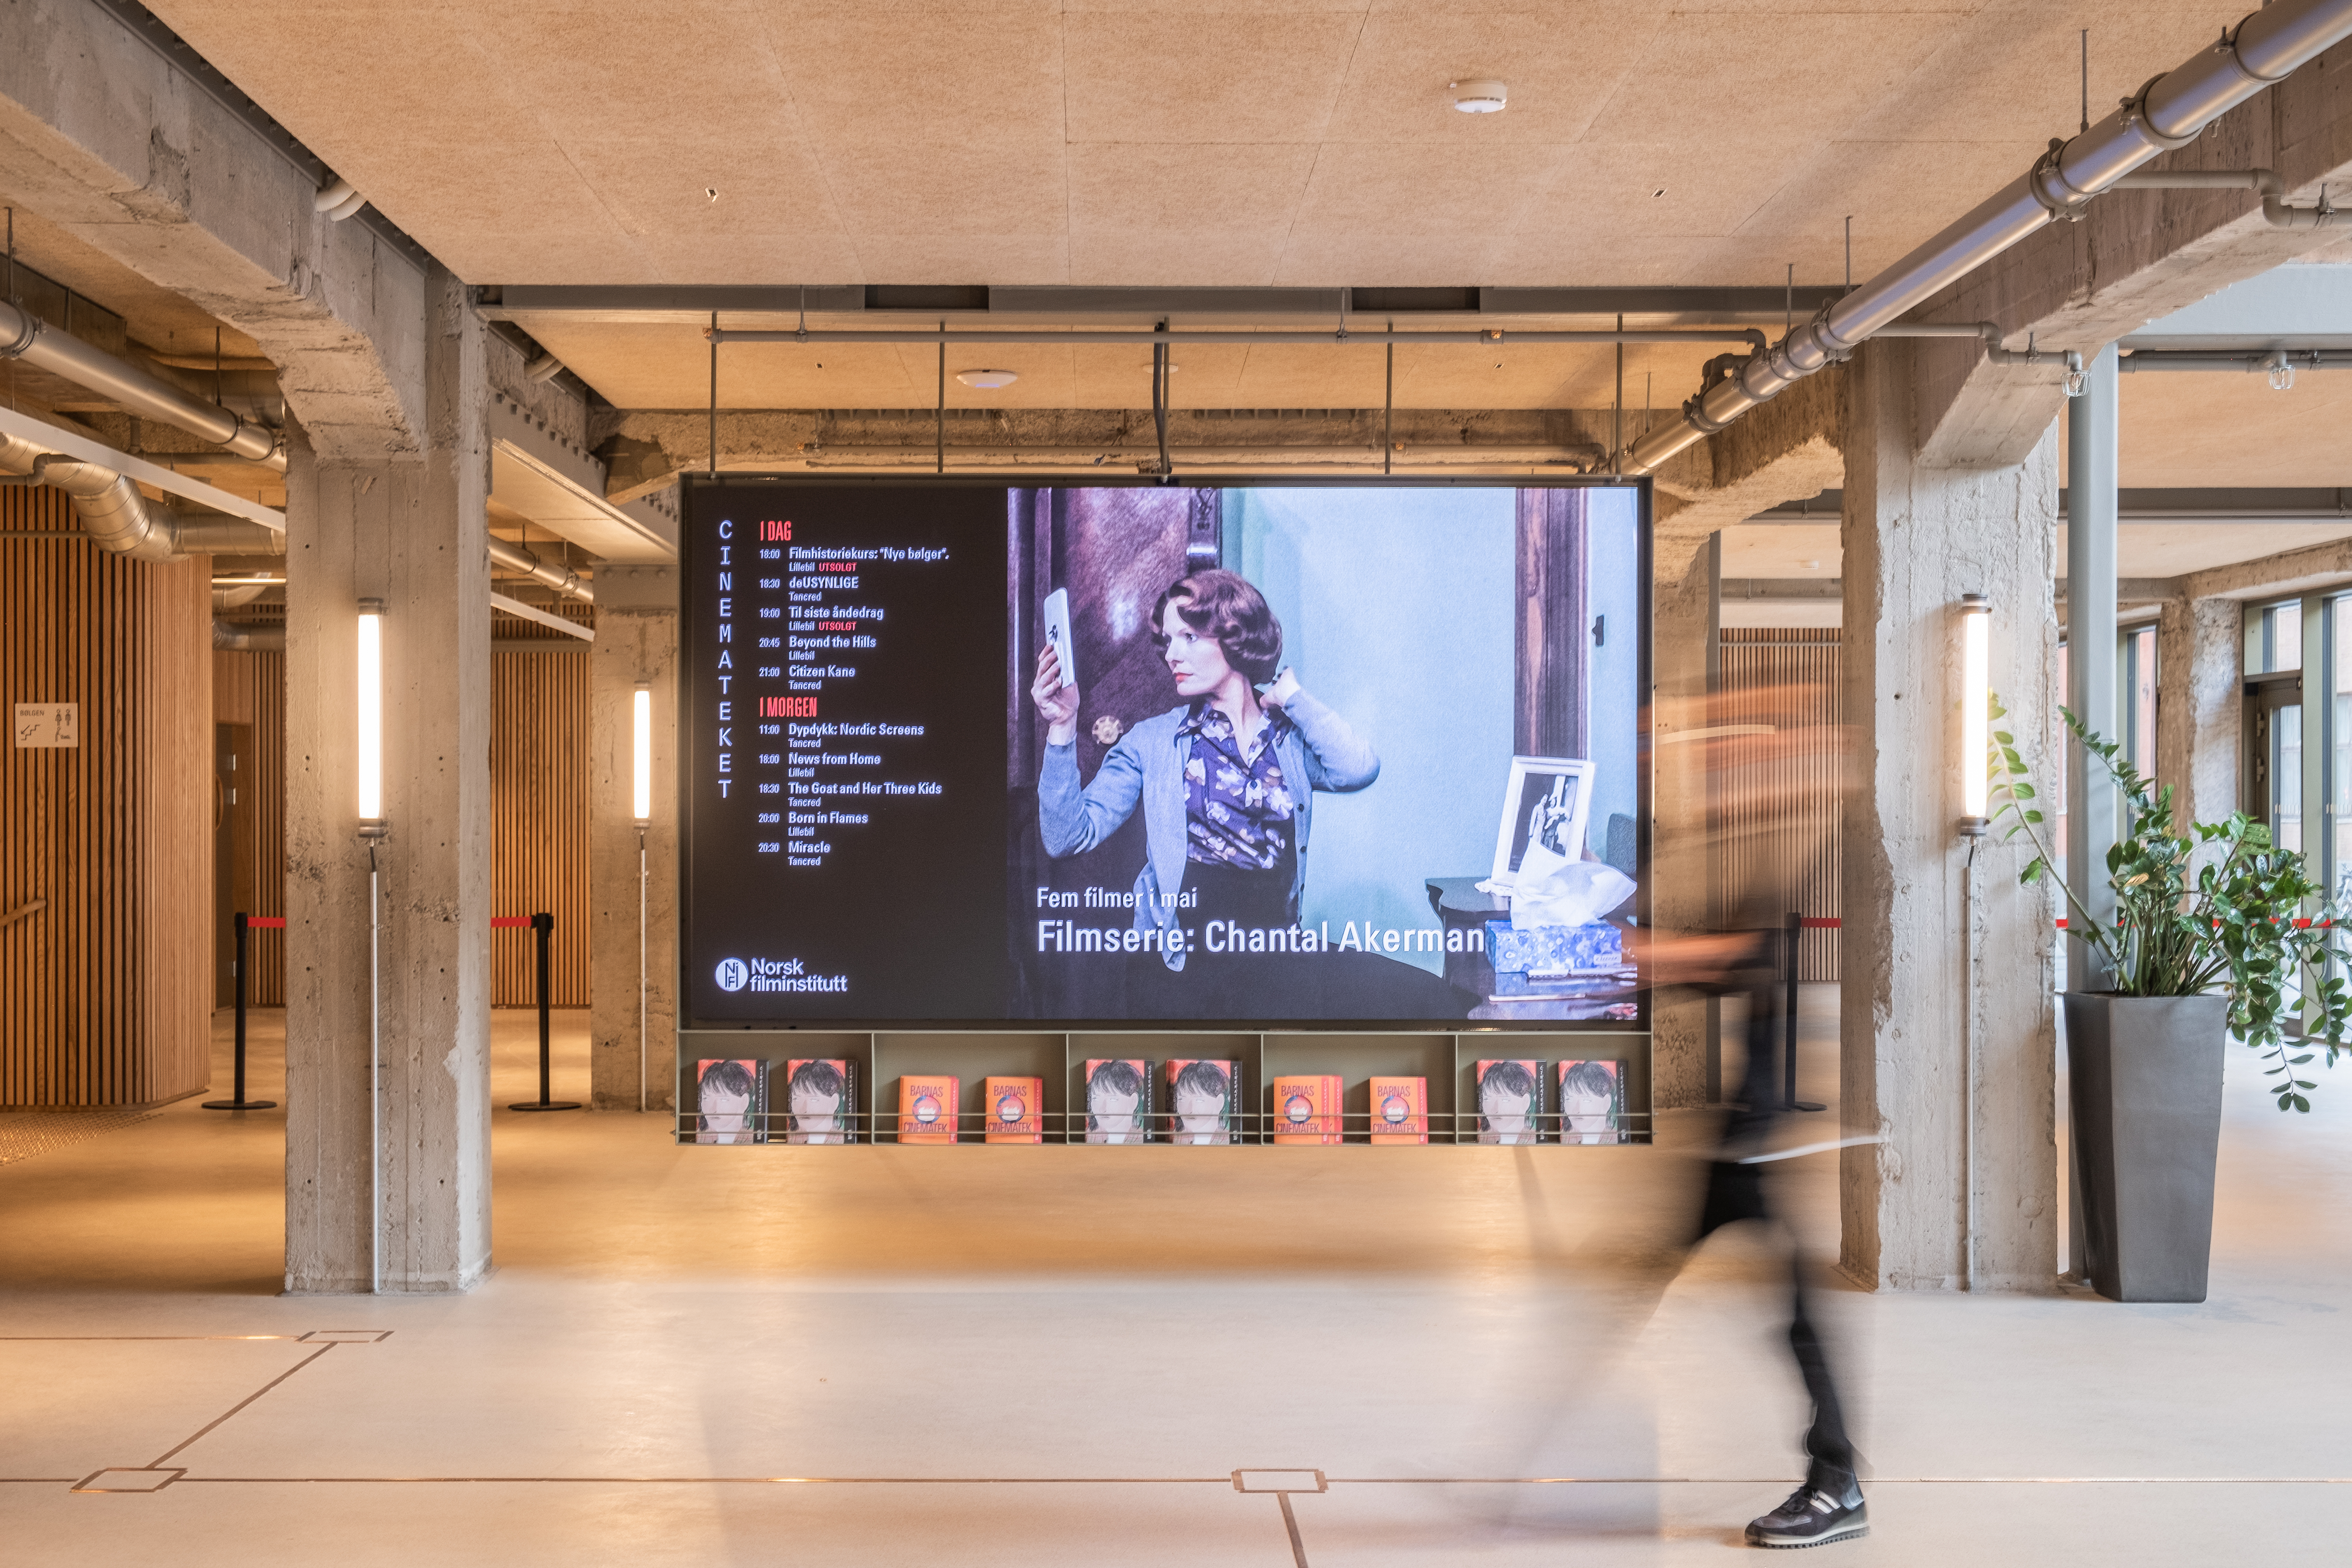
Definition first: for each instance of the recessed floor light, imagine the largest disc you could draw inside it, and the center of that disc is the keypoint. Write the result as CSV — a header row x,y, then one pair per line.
x,y
987,380
1480,97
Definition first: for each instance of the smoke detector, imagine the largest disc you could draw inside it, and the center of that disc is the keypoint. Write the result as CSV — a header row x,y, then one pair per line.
x,y
1479,97
987,380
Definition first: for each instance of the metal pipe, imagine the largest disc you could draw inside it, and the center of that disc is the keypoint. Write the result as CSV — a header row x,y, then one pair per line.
x,y
1489,336
560,577
27,337
120,519
2276,212
2272,360
2167,114
2091,508
1576,455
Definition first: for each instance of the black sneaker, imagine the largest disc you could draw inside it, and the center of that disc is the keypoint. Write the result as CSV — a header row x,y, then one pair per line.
x,y
1815,1514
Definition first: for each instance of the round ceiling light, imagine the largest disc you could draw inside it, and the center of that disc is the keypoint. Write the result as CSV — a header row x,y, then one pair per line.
x,y
987,380
1479,97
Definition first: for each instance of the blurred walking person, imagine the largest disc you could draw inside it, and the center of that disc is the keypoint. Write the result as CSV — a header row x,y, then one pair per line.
x,y
1748,760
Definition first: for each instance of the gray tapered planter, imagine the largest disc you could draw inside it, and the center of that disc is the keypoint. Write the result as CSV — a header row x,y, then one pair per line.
x,y
2144,1084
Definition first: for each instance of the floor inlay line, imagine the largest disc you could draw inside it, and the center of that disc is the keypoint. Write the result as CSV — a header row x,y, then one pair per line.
x,y
298,1366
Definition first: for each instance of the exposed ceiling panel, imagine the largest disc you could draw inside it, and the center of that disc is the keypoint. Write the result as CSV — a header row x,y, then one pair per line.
x,y
1034,142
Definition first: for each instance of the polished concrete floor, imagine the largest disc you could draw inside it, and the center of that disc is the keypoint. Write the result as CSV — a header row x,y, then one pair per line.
x,y
1043,1356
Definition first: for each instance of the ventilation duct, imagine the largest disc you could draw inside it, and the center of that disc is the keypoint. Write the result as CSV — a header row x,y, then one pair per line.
x,y
123,522
25,337
2172,110
561,578
338,200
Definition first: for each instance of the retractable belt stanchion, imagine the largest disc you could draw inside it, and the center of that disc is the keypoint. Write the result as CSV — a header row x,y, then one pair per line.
x,y
1794,934
544,925
236,1101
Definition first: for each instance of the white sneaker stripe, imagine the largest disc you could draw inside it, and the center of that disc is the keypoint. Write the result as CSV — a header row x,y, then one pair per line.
x,y
1824,1503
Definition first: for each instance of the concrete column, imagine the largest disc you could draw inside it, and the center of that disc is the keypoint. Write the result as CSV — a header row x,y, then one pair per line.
x,y
392,1192
2200,705
1680,876
1948,1027
636,644
2091,807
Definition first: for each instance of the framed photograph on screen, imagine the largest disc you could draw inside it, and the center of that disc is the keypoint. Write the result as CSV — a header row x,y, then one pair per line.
x,y
1546,801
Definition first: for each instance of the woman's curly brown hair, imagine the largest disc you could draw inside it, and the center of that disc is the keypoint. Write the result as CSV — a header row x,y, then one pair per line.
x,y
1228,607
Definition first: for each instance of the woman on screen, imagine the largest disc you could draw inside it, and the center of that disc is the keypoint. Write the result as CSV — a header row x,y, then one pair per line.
x,y
1226,779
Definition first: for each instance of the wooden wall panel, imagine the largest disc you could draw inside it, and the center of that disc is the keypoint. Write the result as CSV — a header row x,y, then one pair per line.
x,y
105,995
539,821
1805,803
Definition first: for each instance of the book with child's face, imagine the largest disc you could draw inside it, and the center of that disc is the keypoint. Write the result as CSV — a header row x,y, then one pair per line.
x,y
1203,1101
1118,1100
1400,1110
1015,1108
927,1108
1591,1102
1307,1109
820,1099
731,1101
1510,1101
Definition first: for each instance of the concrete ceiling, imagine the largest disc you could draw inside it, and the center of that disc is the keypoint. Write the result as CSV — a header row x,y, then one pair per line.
x,y
1119,141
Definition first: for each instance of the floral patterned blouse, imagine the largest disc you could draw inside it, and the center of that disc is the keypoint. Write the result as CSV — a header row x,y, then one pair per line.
x,y
1237,808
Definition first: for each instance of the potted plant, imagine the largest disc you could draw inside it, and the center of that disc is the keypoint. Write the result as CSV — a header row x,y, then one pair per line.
x,y
2217,931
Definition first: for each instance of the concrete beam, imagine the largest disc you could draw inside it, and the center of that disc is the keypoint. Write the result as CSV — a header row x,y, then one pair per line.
x,y
104,137
2279,576
1789,449
2136,258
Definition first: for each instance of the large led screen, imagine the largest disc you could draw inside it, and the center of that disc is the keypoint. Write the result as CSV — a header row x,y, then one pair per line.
x,y
1249,755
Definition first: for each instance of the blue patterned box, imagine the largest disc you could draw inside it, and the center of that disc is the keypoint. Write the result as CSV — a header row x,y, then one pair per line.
x,y
1553,950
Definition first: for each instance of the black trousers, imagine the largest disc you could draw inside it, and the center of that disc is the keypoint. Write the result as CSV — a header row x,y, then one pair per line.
x,y
1736,1192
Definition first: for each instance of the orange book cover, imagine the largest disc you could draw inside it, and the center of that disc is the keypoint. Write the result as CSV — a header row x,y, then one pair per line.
x,y
1400,1110
927,1108
1016,1110
1307,1109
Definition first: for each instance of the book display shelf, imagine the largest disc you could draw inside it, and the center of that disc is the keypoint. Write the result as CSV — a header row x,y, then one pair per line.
x,y
1487,1088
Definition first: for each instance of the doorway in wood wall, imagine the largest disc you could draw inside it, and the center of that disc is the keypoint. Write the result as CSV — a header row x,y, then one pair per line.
x,y
236,801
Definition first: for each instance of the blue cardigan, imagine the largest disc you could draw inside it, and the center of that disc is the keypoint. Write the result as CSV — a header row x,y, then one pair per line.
x,y
1148,764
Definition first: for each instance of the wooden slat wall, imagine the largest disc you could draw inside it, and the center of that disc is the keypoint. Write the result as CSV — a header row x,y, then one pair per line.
x,y
250,689
105,997
539,821
1804,804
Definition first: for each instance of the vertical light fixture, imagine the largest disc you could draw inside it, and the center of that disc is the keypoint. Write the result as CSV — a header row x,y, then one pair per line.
x,y
1976,710
641,807
641,757
368,708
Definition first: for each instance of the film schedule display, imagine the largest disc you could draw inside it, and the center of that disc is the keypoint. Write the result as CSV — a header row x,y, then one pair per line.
x,y
845,749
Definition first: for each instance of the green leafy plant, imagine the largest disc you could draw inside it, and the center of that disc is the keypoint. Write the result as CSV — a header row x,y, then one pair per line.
x,y
2216,907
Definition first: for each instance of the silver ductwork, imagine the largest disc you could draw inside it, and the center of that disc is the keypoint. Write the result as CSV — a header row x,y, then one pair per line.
x,y
562,579
123,522
119,518
25,336
2169,113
